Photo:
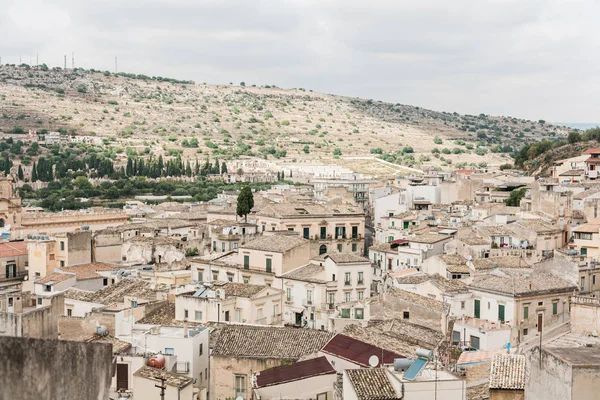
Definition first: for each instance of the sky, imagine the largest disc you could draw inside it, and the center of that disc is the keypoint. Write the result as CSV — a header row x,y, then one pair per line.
x,y
534,59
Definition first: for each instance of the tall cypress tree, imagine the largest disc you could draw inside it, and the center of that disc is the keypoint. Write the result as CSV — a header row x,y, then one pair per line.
x,y
245,202
20,173
34,175
223,167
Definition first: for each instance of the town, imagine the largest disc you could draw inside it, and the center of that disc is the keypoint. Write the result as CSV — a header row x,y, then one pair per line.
x,y
328,284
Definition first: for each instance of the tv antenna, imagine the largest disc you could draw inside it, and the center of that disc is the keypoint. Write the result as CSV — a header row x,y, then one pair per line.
x,y
116,65
373,361
65,61
73,60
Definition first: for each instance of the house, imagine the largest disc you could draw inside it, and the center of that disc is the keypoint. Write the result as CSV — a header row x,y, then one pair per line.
x,y
22,315
176,387
452,266
409,252
357,184
239,351
305,290
591,163
511,305
226,235
329,228
274,253
507,377
309,379
567,367
13,261
586,239
395,226
231,302
470,246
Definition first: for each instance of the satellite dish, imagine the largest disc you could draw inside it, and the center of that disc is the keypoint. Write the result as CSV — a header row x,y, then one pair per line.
x,y
239,398
373,361
26,277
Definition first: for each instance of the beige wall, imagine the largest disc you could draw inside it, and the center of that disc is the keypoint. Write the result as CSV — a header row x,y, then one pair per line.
x,y
496,394
585,315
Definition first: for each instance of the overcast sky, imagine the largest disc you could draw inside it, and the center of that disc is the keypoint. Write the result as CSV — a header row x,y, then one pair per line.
x,y
535,59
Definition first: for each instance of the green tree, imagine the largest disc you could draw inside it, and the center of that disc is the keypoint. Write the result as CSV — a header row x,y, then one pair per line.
x,y
245,202
514,200
278,176
34,176
337,152
306,149
82,183
242,83
223,167
574,137
20,173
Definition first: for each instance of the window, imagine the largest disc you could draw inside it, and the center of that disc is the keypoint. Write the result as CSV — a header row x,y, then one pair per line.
x,y
501,313
593,279
322,249
360,277
323,235
289,294
259,315
345,313
306,233
235,245
185,313
169,350
133,303
51,256
246,280
239,387
200,277
359,313
230,278
406,314
201,349
331,301
525,312
555,308
226,316
214,245
583,251
291,229
223,247
322,396
62,246
309,296
69,312
39,301
62,263
347,296
198,315
269,264
246,262
105,282
215,276
475,342
361,295
340,247
540,304
477,309
347,278
525,331
238,315
354,247
462,305
583,235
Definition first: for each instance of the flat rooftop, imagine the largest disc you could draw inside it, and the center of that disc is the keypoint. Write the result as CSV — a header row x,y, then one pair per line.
x,y
578,356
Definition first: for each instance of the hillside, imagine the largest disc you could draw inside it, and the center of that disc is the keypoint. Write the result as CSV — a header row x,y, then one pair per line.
x,y
197,120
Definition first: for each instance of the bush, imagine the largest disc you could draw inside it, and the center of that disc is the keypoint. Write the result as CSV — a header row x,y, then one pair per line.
x,y
437,140
337,152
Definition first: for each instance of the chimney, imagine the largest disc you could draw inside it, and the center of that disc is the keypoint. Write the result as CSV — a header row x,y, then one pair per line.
x,y
185,328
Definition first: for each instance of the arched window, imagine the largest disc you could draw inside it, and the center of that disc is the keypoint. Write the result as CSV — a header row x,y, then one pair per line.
x,y
322,249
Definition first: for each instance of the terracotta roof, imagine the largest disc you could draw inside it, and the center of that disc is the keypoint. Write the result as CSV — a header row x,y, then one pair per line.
x,y
282,210
294,372
13,249
477,357
275,243
386,247
396,335
347,258
507,372
416,299
243,289
459,269
585,194
429,238
116,293
357,351
593,150
413,279
371,384
155,374
538,226
55,277
88,271
587,228
164,315
453,259
306,273
500,262
269,342
513,282
497,230
475,241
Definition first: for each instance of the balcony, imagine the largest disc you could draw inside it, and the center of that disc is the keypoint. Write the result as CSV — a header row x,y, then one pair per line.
x,y
289,300
327,306
182,367
307,303
18,276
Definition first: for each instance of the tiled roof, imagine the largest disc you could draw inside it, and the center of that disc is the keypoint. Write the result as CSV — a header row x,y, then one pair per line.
x,y
55,277
413,279
294,372
13,249
357,351
587,228
453,259
477,357
444,284
513,282
88,271
276,243
308,210
306,273
396,335
371,384
508,372
164,315
116,293
500,262
387,247
497,230
475,241
347,258
538,226
179,381
258,342
573,172
417,299
429,238
243,289
585,193
459,269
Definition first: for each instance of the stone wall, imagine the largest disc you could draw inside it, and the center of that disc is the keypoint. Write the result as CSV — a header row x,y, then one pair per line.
x,y
585,315
35,369
35,323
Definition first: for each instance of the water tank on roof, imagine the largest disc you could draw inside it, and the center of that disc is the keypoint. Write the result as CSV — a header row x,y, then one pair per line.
x,y
157,361
402,364
424,353
101,330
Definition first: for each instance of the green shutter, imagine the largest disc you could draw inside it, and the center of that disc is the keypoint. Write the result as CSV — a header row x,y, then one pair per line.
x,y
269,265
501,312
477,309
554,308
246,262
526,312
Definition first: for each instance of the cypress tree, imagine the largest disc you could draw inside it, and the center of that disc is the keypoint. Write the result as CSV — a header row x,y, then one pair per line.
x,y
34,175
223,167
20,173
245,202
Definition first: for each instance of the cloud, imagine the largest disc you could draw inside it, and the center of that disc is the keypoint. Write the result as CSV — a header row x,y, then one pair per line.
x,y
533,58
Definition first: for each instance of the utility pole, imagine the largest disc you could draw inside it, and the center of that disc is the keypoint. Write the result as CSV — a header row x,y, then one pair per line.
x,y
162,388
65,61
37,59
73,60
116,70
